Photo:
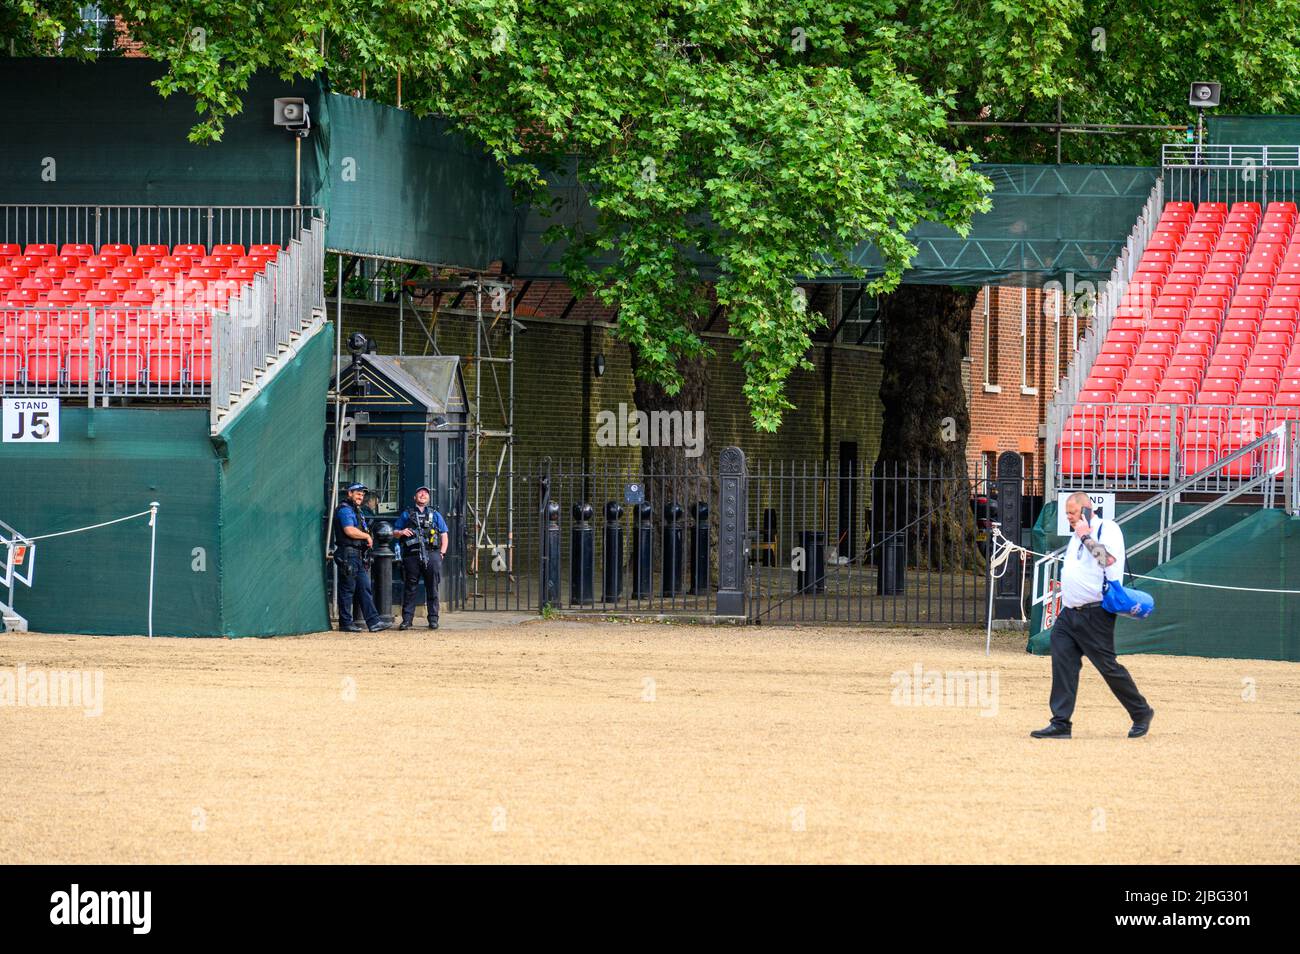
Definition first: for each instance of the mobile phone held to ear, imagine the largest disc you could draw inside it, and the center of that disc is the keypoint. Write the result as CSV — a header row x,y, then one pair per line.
x,y
1086,513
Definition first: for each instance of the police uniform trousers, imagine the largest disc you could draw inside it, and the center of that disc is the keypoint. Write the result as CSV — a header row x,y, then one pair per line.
x,y
1088,631
354,582
412,574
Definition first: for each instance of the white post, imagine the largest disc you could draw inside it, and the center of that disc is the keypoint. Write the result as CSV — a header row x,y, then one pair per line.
x,y
153,546
993,551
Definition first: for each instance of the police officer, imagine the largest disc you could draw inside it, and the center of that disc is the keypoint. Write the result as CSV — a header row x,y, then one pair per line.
x,y
352,532
1085,628
424,543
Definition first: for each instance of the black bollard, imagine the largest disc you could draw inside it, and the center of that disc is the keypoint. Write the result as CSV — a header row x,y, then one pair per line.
x,y
642,567
613,588
381,575
699,548
673,548
551,556
582,556
812,578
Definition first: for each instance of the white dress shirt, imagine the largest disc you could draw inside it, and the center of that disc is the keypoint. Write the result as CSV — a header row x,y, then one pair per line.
x,y
1081,574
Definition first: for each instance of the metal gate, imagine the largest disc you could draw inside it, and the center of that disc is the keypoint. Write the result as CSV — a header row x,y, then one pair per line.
x,y
893,543
772,542
602,539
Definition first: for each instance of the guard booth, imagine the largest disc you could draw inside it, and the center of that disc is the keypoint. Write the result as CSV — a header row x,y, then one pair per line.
x,y
405,420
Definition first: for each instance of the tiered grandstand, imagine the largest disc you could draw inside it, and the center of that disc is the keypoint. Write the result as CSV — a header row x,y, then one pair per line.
x,y
155,304
135,320
1194,360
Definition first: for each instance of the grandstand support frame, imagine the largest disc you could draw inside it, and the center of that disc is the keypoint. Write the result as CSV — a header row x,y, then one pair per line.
x,y
482,357
489,467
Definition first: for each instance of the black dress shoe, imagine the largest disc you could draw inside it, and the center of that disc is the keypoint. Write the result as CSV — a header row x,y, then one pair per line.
x,y
379,627
1051,732
1141,728
353,628
433,625
406,624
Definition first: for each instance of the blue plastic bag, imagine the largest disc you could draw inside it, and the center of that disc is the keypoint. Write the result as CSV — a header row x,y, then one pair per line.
x,y
1115,598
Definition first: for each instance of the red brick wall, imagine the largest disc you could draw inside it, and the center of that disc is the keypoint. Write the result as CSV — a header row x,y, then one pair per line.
x,y
1023,368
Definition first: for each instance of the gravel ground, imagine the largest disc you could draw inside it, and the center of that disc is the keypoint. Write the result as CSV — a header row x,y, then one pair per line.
x,y
523,740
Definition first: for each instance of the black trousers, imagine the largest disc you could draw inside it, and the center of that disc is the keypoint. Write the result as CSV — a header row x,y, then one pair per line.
x,y
1089,631
354,582
412,575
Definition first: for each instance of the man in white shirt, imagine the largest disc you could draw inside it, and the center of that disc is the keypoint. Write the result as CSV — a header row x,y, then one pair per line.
x,y
1084,628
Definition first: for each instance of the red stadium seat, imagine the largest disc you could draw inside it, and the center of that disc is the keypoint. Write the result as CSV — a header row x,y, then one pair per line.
x,y
200,364
13,359
44,361
125,361
166,361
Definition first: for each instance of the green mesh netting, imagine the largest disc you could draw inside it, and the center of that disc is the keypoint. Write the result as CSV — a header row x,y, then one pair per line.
x,y
1236,546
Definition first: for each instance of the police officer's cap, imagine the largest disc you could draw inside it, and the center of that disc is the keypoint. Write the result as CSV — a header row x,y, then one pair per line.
x,y
425,489
352,487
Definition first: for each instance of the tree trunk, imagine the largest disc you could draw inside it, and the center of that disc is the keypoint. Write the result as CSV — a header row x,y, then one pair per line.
x,y
675,459
920,490
674,436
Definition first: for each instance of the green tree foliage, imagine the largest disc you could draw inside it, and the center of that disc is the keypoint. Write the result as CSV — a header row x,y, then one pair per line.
x,y
770,137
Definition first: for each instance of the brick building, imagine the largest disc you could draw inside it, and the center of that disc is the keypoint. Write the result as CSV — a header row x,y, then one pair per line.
x,y
1021,343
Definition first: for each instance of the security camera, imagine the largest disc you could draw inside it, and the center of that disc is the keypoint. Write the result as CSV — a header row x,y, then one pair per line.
x,y
1203,95
293,114
358,343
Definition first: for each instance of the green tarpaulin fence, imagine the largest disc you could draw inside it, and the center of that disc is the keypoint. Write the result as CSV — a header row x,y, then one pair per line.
x,y
398,186
1237,546
1252,130
239,548
402,187
99,134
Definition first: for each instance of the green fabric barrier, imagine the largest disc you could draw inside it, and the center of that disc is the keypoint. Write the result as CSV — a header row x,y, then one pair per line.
x,y
108,138
108,463
239,548
272,480
406,188
399,186
1260,547
1252,130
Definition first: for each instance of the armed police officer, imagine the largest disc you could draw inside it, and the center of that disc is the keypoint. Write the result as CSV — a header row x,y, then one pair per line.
x,y
352,557
424,543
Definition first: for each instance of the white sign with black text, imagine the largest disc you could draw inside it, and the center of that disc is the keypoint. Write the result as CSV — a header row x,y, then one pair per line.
x,y
1103,505
31,420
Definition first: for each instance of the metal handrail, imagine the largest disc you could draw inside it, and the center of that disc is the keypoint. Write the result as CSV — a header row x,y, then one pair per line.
x,y
1230,156
99,224
256,326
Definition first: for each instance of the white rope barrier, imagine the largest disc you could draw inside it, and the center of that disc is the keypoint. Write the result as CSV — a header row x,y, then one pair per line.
x,y
1012,547
93,526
